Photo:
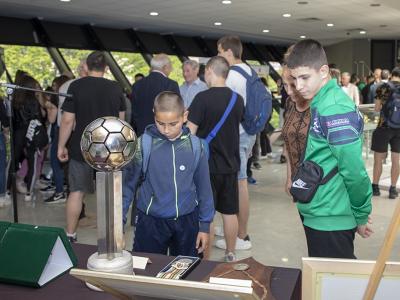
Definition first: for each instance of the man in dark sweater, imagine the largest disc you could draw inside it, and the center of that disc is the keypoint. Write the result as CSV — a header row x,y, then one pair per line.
x,y
145,91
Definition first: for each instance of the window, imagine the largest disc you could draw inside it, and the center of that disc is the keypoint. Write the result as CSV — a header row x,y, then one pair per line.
x,y
74,56
176,73
34,60
253,62
131,64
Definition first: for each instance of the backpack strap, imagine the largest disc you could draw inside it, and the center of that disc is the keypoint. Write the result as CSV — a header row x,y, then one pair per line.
x,y
198,146
146,144
221,122
243,72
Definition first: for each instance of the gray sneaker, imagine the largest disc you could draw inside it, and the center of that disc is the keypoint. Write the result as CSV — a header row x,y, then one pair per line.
x,y
230,257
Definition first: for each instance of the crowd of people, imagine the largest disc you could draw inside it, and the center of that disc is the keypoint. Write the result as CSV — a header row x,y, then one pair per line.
x,y
195,154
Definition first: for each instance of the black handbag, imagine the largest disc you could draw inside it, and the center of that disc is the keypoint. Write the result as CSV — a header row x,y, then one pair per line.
x,y
307,179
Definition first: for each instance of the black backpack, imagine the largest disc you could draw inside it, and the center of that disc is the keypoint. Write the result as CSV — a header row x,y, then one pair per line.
x,y
391,108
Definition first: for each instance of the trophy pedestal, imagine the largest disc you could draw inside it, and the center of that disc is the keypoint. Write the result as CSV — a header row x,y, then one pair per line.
x,y
121,263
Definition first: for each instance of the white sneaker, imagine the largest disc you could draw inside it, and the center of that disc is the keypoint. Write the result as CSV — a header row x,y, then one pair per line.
x,y
21,186
241,244
5,201
230,257
219,231
28,197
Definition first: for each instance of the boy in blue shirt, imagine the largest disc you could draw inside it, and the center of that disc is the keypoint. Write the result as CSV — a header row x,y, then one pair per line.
x,y
174,203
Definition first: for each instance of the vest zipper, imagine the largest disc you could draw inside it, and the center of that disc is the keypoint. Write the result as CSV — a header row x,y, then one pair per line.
x,y
176,187
148,207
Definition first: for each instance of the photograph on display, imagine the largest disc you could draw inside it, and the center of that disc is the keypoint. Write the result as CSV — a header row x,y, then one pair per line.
x,y
179,268
345,279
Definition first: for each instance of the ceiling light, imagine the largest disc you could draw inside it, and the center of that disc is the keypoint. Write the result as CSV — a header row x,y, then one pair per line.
x,y
302,2
65,0
374,5
217,23
383,26
330,25
363,32
286,15
226,2
302,36
153,13
265,30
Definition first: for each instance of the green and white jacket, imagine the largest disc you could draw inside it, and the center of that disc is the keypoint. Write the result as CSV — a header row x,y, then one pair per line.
x,y
335,139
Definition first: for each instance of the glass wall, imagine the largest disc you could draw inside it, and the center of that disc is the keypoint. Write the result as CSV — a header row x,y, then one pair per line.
x,y
131,64
74,56
34,60
176,73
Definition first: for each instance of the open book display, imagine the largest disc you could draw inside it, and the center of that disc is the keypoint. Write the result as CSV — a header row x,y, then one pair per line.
x,y
33,255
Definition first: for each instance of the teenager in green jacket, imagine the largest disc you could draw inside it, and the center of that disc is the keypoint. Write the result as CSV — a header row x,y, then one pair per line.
x,y
342,206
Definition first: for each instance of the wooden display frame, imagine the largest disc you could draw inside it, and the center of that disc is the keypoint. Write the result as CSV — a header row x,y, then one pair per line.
x,y
316,269
128,286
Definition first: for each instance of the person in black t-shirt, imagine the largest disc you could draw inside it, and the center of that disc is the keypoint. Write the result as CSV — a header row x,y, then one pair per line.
x,y
385,135
92,97
205,112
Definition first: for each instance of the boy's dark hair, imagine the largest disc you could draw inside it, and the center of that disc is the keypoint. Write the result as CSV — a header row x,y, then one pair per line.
x,y
307,53
396,72
332,66
169,102
96,61
232,42
219,66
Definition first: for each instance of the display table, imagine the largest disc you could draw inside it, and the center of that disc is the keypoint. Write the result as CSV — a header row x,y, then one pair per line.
x,y
285,282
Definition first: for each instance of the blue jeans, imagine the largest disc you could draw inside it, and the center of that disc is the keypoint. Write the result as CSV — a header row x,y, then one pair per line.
x,y
3,164
58,172
246,144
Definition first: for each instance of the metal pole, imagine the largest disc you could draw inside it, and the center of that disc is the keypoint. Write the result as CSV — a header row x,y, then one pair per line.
x,y
109,208
10,92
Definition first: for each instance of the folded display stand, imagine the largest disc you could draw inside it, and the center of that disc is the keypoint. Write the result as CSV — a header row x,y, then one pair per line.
x,y
33,255
128,286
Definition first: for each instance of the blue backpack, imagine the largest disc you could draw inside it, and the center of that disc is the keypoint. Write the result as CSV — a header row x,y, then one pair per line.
x,y
197,146
391,109
258,102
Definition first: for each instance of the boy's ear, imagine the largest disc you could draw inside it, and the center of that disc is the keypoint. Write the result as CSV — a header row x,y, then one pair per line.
x,y
185,116
324,71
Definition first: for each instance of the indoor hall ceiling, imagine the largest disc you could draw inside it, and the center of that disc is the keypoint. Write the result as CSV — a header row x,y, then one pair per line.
x,y
245,18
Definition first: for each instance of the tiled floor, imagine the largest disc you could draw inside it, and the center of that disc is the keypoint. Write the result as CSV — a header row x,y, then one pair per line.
x,y
275,228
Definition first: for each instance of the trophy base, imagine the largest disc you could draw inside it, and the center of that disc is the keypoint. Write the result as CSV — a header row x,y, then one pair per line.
x,y
120,265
